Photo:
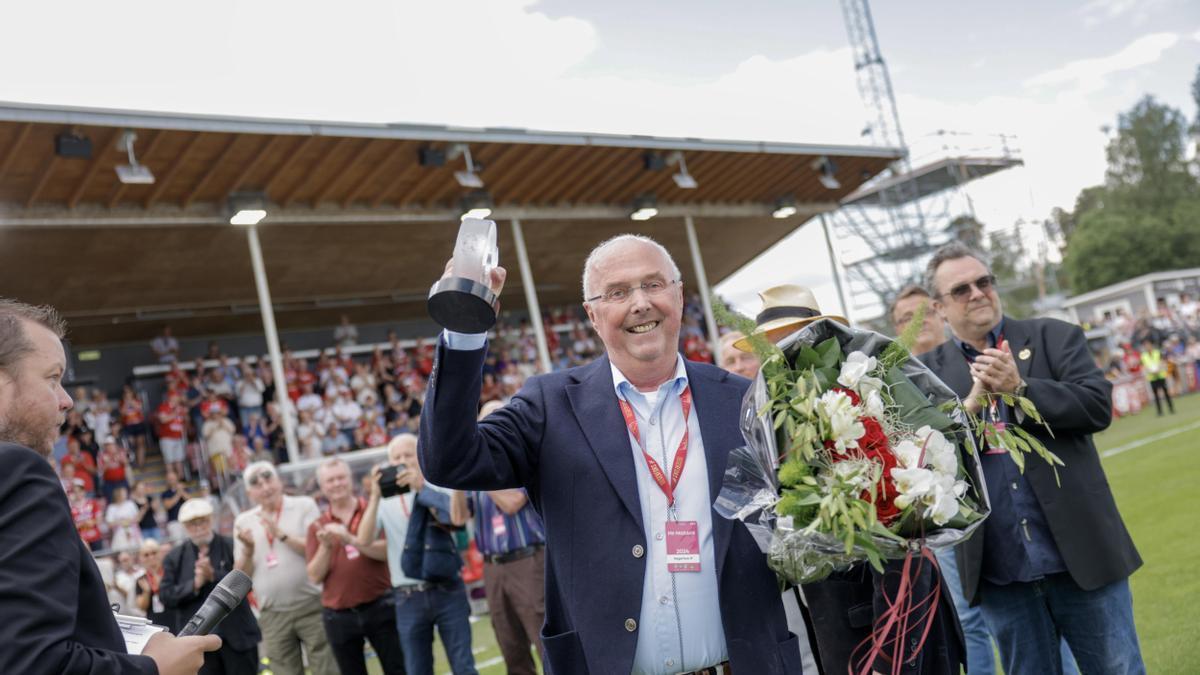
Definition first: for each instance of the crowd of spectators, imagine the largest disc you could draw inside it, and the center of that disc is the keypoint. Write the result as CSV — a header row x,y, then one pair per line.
x,y
1163,345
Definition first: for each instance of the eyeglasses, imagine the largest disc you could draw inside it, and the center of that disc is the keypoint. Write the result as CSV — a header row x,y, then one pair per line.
x,y
961,292
619,295
260,477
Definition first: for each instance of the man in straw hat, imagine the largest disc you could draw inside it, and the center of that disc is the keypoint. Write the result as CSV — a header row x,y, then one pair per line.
x,y
56,616
843,607
623,459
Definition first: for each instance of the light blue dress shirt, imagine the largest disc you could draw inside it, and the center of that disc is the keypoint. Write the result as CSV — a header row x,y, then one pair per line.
x,y
680,624
679,628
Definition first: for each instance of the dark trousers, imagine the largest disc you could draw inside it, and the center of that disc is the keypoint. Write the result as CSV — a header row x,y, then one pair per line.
x,y
229,661
1159,388
374,622
516,596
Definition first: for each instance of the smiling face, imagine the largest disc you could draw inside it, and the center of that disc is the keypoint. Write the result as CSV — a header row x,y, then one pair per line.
x,y
641,334
975,315
335,482
33,403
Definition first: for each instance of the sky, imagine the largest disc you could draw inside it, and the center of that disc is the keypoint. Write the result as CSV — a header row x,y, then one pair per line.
x,y
1053,74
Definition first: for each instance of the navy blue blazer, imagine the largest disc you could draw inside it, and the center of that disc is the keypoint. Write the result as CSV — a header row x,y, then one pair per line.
x,y
563,439
54,611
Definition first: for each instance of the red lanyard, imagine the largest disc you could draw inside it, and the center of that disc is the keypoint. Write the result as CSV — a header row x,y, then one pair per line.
x,y
656,472
271,537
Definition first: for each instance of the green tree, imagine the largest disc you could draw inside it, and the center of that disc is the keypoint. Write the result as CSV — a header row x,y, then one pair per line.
x,y
1146,216
1110,246
1147,161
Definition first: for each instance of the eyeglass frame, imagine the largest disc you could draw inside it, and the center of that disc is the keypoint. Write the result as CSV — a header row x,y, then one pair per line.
x,y
630,289
983,284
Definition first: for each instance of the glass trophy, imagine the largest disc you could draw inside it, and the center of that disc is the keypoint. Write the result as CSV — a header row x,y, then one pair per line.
x,y
465,303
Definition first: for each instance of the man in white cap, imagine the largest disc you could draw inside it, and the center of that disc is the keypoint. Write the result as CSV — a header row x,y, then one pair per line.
x,y
191,571
269,546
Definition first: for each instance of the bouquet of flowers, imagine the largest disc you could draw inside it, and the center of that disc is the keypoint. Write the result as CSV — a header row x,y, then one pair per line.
x,y
857,452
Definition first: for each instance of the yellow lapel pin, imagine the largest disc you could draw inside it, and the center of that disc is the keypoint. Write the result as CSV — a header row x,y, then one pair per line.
x,y
1025,354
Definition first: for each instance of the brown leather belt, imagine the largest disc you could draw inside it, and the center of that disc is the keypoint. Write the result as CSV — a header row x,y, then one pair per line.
x,y
719,669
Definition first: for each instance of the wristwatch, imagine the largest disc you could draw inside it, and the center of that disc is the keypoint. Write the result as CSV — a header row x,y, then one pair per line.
x,y
283,535
1020,390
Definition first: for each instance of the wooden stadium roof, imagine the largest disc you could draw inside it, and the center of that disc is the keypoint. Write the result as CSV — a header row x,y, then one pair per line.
x,y
358,224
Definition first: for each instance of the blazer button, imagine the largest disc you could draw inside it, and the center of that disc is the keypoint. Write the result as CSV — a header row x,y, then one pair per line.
x,y
638,552
630,625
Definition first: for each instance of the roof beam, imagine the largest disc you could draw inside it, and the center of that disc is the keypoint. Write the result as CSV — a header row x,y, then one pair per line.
x,y
360,185
264,151
307,177
547,165
498,187
43,178
306,216
217,165
339,174
287,162
397,182
571,193
14,150
163,182
18,112
119,190
93,167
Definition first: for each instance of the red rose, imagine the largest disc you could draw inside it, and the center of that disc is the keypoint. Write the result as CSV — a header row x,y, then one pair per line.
x,y
854,398
874,441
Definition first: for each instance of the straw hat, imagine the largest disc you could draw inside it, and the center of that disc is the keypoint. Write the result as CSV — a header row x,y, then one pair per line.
x,y
786,308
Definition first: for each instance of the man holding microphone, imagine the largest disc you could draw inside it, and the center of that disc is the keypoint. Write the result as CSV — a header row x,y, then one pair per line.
x,y
56,615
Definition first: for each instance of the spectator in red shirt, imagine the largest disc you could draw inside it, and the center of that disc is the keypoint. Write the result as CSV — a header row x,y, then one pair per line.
x,y
83,464
86,513
133,422
357,592
172,432
114,469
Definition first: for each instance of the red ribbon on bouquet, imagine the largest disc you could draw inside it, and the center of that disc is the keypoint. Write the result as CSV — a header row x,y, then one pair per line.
x,y
887,639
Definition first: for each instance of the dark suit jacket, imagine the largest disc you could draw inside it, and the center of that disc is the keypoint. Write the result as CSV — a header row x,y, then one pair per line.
x,y
562,437
54,611
1075,400
238,631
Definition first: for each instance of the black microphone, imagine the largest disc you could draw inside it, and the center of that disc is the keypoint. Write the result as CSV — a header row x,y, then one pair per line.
x,y
224,598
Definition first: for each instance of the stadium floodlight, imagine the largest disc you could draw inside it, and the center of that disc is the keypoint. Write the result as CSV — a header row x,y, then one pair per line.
x,y
784,208
247,208
132,173
477,204
826,169
644,208
467,178
683,179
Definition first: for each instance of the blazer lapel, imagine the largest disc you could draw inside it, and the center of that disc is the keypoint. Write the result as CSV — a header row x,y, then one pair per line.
x,y
718,409
1018,343
950,364
594,402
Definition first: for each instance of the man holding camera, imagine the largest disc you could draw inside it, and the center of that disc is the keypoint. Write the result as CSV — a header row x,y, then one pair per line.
x,y
355,596
416,519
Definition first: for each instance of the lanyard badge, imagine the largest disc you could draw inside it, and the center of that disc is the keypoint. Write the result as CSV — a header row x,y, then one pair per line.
x,y
682,536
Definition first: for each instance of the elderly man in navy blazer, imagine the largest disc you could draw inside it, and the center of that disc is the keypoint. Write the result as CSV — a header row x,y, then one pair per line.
x,y
623,459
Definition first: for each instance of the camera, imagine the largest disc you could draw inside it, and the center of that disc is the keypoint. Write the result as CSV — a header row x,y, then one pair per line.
x,y
387,481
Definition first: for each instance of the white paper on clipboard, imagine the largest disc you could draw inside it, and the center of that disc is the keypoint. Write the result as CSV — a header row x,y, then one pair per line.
x,y
136,631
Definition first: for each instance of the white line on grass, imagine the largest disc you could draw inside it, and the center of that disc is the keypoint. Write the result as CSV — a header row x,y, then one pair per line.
x,y
1149,439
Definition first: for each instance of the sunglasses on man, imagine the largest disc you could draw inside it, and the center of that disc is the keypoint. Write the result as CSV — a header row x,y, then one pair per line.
x,y
962,292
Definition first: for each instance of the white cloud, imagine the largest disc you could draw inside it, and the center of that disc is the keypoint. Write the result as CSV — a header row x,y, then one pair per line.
x,y
1132,11
1089,75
